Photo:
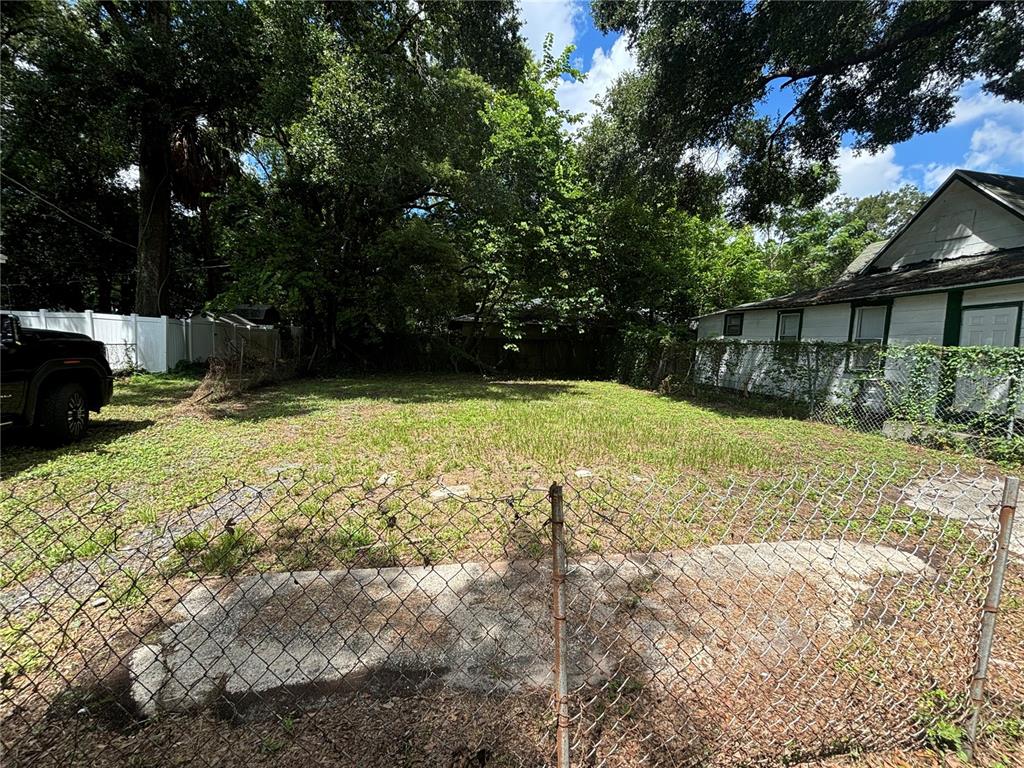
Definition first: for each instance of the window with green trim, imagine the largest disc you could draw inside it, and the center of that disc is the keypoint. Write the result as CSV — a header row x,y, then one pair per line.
x,y
734,324
789,326
869,330
869,325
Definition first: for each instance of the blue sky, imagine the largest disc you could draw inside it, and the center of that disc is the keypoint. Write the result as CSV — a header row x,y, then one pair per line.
x,y
986,133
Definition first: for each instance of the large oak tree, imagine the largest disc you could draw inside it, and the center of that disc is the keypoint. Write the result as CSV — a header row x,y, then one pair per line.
x,y
878,71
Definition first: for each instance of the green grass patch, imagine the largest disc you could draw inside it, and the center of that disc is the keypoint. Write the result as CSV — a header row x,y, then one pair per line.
x,y
150,454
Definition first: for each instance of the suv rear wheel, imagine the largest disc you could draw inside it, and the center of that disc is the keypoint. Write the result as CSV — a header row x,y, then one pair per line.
x,y
63,414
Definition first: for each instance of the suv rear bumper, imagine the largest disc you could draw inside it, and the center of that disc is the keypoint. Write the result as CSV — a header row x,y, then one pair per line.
x,y
106,390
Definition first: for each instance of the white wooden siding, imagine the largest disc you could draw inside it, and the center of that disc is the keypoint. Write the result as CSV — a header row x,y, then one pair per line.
x,y
918,319
710,327
826,322
960,222
994,295
758,324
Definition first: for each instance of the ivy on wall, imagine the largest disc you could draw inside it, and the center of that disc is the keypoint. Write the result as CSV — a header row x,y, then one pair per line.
x,y
964,398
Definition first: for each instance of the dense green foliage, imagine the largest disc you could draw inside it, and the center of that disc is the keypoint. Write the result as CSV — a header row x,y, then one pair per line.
x,y
374,169
880,71
811,248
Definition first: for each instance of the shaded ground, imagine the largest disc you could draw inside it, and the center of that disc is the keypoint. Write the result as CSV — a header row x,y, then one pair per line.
x,y
82,591
676,658
485,627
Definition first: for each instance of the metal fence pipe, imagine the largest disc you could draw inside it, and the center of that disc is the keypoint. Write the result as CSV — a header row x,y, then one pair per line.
x,y
558,567
991,608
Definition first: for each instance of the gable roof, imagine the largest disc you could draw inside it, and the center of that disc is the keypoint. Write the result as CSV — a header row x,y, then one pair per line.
x,y
865,257
1006,191
1006,266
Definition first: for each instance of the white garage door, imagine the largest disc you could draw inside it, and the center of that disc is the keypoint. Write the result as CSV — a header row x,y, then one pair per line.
x,y
985,326
989,326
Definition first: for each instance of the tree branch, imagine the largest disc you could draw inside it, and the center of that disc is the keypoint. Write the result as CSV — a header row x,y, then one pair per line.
x,y
116,16
403,30
785,119
958,13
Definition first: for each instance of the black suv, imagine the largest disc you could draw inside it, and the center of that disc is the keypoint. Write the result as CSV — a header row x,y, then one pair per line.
x,y
50,380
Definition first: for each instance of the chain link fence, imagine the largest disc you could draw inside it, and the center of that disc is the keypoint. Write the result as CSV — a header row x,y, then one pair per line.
x,y
967,398
600,621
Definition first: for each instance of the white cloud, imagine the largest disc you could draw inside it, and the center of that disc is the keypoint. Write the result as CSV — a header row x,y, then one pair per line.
x,y
997,146
559,17
934,175
994,146
975,104
605,68
861,173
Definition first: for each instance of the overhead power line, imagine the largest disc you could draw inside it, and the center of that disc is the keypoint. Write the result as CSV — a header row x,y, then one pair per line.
x,y
74,218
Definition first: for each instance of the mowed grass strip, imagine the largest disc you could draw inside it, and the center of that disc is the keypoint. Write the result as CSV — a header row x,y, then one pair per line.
x,y
423,427
158,453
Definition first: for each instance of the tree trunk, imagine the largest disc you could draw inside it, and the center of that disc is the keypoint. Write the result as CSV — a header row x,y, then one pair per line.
x,y
104,291
154,190
154,215
213,283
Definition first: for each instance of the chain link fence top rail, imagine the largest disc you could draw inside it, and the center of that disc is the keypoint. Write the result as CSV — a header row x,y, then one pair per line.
x,y
706,621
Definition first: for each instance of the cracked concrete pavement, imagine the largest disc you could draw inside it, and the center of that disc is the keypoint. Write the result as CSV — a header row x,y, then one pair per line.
x,y
486,627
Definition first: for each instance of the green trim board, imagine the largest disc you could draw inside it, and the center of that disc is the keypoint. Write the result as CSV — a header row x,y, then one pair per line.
x,y
799,325
1019,305
951,324
961,288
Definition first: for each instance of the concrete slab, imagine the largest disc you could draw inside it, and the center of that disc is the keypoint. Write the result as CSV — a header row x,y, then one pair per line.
x,y
486,627
972,500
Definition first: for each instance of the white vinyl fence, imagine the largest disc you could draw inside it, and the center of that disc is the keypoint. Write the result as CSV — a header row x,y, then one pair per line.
x,y
157,344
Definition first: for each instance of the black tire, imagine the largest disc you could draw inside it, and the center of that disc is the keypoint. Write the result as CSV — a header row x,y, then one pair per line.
x,y
62,416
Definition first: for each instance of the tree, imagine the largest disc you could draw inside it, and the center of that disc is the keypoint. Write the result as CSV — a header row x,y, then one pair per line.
x,y
884,213
810,249
523,224
69,224
878,71
370,127
154,71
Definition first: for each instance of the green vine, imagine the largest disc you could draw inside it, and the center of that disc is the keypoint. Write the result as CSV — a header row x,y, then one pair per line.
x,y
961,398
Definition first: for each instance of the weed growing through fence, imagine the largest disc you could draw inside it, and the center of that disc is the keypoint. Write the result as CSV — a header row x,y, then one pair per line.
x,y
938,712
964,399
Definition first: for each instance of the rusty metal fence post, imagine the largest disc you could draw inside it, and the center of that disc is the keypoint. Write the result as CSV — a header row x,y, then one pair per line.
x,y
558,567
988,618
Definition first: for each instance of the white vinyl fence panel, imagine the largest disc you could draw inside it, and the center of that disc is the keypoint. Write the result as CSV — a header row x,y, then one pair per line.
x,y
158,344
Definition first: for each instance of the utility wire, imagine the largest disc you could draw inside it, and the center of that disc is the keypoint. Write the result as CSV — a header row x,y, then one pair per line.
x,y
75,219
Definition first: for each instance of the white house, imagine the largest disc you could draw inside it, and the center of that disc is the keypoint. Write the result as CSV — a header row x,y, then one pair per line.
x,y
953,275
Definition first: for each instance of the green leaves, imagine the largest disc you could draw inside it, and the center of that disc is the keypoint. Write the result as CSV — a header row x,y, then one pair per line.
x,y
876,73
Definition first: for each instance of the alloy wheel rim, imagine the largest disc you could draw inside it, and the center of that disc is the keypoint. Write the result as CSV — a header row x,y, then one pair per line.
x,y
76,414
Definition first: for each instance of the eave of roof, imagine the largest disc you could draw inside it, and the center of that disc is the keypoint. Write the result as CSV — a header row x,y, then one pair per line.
x,y
1002,190
1006,266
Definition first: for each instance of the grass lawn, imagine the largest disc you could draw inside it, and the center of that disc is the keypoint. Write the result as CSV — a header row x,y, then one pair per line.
x,y
153,448
161,454
156,452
